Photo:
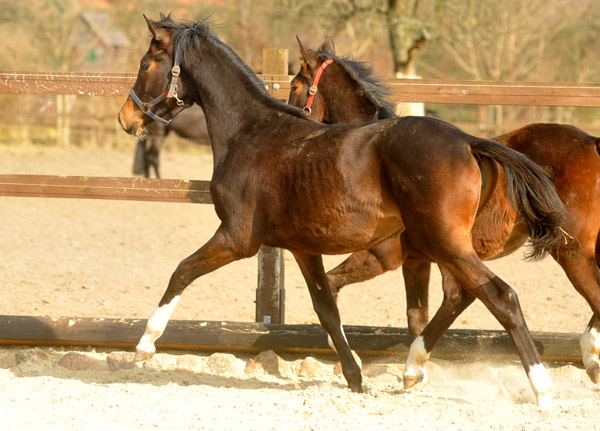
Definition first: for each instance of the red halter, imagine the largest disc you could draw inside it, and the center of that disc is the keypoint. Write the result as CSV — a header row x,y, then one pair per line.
x,y
313,88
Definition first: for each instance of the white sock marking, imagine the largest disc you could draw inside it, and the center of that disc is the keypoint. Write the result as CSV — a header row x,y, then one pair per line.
x,y
156,326
417,357
590,347
542,385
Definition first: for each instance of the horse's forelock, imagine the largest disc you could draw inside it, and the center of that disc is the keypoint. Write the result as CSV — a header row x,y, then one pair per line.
x,y
183,32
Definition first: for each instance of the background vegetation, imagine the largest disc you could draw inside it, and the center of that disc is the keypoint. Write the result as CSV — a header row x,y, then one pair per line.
x,y
507,40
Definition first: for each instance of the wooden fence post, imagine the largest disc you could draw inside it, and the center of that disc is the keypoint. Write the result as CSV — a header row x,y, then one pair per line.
x,y
270,293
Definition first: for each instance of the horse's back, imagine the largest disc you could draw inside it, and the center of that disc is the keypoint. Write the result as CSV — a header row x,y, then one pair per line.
x,y
569,155
572,159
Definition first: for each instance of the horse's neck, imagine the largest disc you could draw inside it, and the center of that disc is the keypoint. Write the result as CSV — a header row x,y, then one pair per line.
x,y
347,104
229,101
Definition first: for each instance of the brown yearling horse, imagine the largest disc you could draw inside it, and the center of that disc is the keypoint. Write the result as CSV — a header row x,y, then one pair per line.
x,y
347,93
190,125
284,180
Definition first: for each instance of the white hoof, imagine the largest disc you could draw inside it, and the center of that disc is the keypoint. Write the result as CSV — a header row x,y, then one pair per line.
x,y
545,402
142,355
414,369
541,385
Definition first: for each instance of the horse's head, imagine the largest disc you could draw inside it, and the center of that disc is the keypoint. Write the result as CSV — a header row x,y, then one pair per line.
x,y
304,87
348,92
159,89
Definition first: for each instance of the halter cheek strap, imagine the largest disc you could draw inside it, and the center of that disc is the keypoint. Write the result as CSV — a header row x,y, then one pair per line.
x,y
170,93
314,87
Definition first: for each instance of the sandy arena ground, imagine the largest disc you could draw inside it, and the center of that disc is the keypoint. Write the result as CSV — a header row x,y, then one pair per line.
x,y
82,258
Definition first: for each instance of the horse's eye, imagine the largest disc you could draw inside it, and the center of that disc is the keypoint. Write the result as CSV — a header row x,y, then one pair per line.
x,y
293,88
145,66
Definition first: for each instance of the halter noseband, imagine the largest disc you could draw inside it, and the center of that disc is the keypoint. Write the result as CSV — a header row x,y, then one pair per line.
x,y
170,93
314,87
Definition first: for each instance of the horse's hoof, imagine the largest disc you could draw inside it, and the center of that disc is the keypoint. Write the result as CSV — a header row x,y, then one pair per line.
x,y
545,402
142,355
410,381
594,373
356,388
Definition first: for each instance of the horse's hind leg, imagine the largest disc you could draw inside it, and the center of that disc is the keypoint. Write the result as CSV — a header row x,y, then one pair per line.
x,y
366,264
329,316
416,282
590,348
503,303
582,270
214,254
455,301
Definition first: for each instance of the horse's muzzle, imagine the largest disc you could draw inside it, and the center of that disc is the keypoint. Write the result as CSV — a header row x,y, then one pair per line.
x,y
129,121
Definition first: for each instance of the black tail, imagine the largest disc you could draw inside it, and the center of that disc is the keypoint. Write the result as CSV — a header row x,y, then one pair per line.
x,y
139,159
532,192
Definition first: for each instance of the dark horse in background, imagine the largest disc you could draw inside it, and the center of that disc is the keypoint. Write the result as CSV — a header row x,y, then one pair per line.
x,y
284,180
190,124
348,93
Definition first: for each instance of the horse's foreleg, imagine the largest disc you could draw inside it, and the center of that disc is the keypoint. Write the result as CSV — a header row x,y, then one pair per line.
x,y
152,156
214,254
455,301
366,264
416,282
139,159
329,316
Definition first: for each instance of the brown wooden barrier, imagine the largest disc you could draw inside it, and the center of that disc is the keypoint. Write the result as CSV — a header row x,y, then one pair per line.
x,y
256,337
403,90
115,188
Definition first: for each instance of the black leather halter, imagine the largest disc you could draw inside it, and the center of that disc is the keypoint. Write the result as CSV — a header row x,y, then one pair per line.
x,y
170,93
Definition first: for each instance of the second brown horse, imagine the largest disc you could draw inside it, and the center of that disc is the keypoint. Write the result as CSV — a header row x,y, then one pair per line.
x,y
348,93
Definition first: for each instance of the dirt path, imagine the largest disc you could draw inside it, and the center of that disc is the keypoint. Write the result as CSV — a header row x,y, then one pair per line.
x,y
113,259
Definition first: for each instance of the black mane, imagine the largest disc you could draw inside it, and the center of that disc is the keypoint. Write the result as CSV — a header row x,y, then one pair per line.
x,y
374,89
188,34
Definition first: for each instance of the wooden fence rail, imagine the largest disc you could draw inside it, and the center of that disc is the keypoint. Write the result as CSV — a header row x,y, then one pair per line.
x,y
130,189
255,337
403,90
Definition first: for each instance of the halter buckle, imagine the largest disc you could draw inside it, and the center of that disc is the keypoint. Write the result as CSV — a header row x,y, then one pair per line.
x,y
313,90
172,90
175,71
307,111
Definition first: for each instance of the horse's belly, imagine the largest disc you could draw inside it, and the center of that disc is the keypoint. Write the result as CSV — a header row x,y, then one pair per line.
x,y
336,236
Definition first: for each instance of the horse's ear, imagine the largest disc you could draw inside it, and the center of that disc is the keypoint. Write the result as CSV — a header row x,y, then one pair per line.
x,y
307,55
159,34
165,17
149,23
328,46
